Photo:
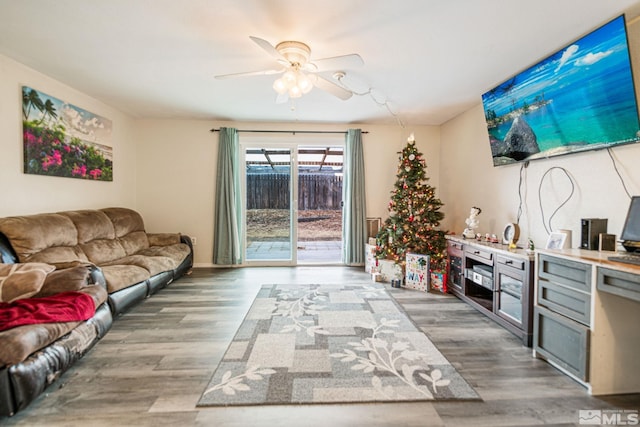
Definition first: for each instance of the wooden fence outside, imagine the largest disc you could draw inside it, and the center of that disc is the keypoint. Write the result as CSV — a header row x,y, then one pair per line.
x,y
315,191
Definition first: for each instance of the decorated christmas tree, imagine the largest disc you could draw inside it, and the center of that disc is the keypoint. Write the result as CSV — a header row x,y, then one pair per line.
x,y
414,214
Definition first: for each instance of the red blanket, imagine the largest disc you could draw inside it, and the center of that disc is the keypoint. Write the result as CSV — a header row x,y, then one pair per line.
x,y
62,307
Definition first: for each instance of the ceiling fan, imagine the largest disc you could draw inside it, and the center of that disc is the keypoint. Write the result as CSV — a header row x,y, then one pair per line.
x,y
299,72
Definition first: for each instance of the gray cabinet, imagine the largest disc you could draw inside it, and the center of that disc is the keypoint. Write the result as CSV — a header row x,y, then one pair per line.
x,y
496,281
563,314
586,318
564,286
568,273
621,283
455,272
513,296
562,341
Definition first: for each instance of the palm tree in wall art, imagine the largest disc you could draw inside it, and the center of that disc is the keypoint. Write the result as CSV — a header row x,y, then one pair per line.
x,y
61,139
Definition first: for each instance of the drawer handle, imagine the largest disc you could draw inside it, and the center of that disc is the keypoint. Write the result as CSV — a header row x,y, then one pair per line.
x,y
509,261
476,252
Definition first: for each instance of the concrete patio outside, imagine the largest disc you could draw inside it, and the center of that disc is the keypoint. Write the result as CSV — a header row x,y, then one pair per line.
x,y
320,252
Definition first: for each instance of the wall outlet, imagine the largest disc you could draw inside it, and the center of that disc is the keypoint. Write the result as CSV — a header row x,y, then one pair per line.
x,y
193,241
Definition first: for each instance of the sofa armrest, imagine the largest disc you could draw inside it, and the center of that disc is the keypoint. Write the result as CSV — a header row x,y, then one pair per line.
x,y
97,276
187,241
163,239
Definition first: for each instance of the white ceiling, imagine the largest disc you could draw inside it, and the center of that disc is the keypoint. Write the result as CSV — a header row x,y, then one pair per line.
x,y
429,59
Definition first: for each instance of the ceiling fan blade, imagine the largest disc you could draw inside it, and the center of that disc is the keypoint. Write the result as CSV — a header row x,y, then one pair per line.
x,y
336,63
269,48
250,73
331,87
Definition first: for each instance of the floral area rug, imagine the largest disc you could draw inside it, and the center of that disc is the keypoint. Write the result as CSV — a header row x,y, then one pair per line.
x,y
330,344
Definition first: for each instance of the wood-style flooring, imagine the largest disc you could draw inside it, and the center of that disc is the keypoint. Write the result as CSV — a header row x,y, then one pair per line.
x,y
152,366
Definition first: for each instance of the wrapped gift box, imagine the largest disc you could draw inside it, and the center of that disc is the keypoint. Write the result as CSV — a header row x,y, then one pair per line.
x,y
389,270
417,272
438,282
370,258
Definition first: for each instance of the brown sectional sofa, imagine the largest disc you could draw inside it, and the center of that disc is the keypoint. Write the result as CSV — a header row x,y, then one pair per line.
x,y
121,258
135,264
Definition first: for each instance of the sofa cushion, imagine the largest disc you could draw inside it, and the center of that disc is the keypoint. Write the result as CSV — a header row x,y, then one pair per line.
x,y
91,225
177,252
102,251
59,255
163,239
19,281
34,233
122,276
18,343
134,242
124,220
153,264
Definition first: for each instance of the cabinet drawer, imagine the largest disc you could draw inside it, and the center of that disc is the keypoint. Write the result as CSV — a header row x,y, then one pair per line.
x,y
573,274
621,283
511,262
564,300
562,341
478,253
454,249
455,245
478,278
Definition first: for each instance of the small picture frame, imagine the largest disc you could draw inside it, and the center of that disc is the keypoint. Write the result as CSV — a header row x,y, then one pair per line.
x,y
556,240
373,226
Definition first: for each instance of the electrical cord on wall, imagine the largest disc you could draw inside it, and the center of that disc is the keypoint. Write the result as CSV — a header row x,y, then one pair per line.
x,y
522,168
548,228
615,166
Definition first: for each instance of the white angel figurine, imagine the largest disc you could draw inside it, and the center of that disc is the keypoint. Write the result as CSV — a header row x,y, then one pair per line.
x,y
472,223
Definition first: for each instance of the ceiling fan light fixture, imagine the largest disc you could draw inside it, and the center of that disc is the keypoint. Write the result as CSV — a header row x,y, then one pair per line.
x,y
304,83
293,82
294,52
299,73
280,86
289,78
295,92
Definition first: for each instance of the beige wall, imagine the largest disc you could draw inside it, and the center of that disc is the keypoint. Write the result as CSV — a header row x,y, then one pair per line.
x,y
177,163
26,194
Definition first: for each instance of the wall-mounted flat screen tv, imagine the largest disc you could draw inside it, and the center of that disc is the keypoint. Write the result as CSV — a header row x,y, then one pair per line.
x,y
580,98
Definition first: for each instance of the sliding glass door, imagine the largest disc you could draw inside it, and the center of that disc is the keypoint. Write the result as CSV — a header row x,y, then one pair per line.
x,y
292,203
319,204
270,205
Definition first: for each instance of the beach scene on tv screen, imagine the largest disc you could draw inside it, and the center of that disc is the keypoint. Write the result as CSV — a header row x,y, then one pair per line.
x,y
580,98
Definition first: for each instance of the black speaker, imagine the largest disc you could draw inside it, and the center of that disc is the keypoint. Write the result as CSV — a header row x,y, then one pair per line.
x,y
591,229
606,242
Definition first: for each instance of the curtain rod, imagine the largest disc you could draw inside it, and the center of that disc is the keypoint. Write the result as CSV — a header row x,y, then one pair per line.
x,y
288,131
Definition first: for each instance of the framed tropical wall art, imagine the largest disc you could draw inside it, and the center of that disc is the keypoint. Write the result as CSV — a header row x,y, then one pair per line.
x,y
61,139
